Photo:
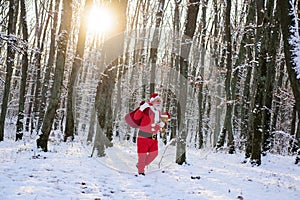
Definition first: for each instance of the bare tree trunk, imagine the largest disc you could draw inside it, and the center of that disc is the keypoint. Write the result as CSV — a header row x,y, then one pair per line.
x,y
92,126
64,31
12,16
246,118
260,85
41,33
100,139
290,33
190,27
29,110
246,114
174,122
201,73
20,125
277,102
153,51
244,56
217,128
49,66
272,35
227,127
77,63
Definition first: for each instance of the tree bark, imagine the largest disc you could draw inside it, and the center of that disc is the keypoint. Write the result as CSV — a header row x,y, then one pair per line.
x,y
288,21
244,56
190,27
227,127
41,34
201,102
49,66
77,63
272,35
12,16
217,128
92,126
261,74
155,41
20,125
65,28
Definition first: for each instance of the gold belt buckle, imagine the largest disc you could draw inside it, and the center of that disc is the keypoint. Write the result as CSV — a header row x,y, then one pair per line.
x,y
154,136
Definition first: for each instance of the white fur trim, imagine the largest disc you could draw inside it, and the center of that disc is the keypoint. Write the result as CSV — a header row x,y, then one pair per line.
x,y
164,116
154,98
156,114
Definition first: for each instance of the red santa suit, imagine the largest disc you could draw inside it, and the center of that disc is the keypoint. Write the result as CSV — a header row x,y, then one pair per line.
x,y
147,145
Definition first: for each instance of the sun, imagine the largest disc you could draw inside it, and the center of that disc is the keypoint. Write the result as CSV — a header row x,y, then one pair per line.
x,y
100,20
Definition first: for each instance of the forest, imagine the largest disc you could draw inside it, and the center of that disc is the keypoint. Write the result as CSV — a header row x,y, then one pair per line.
x,y
228,72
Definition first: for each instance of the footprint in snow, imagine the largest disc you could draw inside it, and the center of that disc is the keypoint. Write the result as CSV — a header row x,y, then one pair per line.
x,y
147,185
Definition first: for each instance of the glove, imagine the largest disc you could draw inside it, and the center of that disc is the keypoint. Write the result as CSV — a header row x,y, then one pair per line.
x,y
144,106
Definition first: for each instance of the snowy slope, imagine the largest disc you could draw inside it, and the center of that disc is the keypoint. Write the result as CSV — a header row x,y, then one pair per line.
x,y
68,172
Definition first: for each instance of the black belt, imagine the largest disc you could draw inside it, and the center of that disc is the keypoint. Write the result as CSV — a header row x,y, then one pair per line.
x,y
148,135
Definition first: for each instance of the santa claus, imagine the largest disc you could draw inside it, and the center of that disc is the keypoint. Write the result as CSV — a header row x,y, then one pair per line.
x,y
147,145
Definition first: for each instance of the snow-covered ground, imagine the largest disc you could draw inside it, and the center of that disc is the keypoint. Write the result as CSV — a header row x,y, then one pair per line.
x,y
68,172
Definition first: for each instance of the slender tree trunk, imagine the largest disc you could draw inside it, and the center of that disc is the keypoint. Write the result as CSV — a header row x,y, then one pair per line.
x,y
244,56
64,32
272,36
260,87
12,16
236,78
190,27
77,63
175,67
92,126
293,122
49,66
103,106
229,105
37,64
227,127
41,38
99,141
155,41
201,74
277,100
29,112
288,20
246,114
20,120
217,128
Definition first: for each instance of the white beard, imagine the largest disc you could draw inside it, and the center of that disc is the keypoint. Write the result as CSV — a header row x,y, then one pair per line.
x,y
156,113
157,107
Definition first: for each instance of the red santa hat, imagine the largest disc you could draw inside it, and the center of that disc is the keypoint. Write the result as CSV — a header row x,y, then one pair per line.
x,y
154,96
165,115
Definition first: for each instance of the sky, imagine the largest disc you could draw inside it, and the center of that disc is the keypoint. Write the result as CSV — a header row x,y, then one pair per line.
x,y
69,172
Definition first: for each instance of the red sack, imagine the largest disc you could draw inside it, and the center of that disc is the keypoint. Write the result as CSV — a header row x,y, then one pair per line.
x,y
130,119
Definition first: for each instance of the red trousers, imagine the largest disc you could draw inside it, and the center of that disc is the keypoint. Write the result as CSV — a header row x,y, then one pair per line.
x,y
147,150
